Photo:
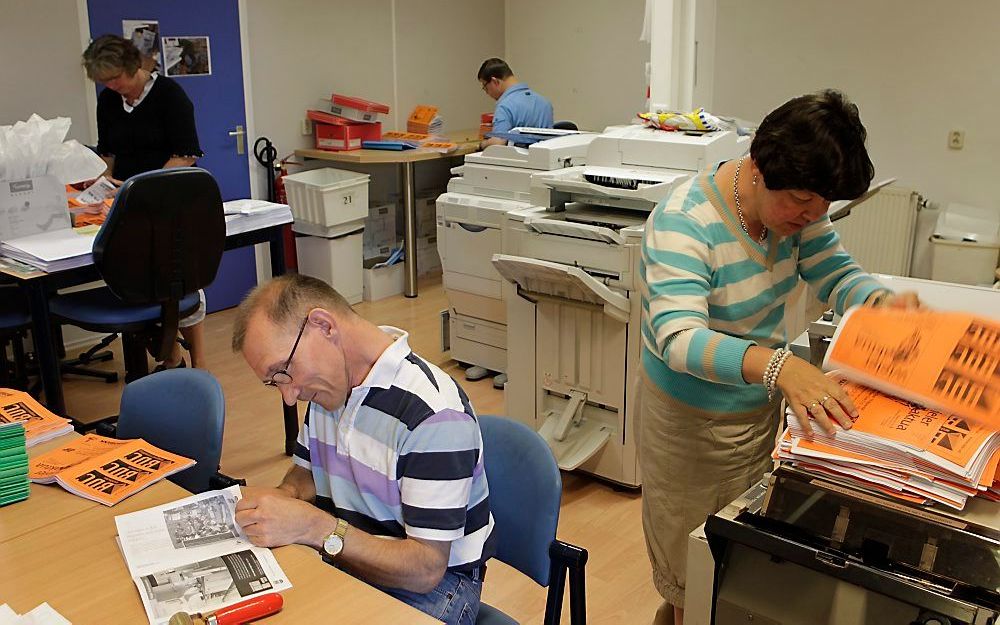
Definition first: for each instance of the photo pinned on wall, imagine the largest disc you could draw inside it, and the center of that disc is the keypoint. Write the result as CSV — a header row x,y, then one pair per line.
x,y
145,34
187,56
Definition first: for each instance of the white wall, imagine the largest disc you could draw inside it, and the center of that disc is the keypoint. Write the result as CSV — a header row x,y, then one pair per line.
x,y
41,72
916,69
585,57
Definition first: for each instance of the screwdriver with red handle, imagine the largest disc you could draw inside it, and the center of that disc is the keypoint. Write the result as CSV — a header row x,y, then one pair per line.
x,y
236,614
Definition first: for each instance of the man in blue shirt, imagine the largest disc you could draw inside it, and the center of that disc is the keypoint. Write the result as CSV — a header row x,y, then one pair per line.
x,y
517,105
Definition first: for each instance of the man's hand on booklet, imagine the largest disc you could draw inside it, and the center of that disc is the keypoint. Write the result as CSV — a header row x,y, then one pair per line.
x,y
809,393
270,517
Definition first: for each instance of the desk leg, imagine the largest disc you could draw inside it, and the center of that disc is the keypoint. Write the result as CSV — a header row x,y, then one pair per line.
x,y
291,414
45,349
276,245
409,228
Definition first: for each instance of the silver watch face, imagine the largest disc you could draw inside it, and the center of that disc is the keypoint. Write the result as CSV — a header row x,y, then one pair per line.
x,y
333,545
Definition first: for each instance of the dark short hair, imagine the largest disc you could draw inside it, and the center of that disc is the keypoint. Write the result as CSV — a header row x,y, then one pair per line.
x,y
285,301
815,143
494,68
110,55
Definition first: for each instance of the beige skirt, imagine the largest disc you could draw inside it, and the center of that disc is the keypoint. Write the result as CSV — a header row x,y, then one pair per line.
x,y
692,466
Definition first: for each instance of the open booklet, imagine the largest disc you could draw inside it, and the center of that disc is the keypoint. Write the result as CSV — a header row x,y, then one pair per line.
x,y
946,361
191,556
106,470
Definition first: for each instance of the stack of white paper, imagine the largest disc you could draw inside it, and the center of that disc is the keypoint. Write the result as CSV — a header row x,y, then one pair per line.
x,y
57,250
248,215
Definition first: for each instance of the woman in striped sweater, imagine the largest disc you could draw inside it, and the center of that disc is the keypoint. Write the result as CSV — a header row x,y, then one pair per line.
x,y
720,257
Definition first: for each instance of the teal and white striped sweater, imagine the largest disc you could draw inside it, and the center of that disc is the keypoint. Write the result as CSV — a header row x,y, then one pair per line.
x,y
709,292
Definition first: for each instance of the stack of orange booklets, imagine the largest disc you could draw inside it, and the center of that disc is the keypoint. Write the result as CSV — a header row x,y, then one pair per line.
x,y
106,470
40,425
927,387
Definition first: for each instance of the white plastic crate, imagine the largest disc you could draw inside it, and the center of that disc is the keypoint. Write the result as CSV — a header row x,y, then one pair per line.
x,y
382,282
326,201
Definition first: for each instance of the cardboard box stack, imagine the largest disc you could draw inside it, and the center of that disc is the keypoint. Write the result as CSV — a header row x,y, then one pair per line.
x,y
349,122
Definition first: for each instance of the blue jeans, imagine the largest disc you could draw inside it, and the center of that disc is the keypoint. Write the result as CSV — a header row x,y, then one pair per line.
x,y
455,600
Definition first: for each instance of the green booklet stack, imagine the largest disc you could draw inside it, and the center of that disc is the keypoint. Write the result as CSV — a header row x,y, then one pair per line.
x,y
13,463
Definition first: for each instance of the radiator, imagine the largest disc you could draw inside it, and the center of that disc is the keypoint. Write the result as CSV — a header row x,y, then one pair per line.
x,y
879,232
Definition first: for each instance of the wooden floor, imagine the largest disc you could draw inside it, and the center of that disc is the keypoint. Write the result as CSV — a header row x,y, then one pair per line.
x,y
595,516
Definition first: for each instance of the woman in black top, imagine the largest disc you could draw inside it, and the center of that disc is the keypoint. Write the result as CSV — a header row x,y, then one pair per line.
x,y
144,122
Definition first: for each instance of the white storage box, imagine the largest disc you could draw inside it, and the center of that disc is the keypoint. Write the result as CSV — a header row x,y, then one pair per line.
x,y
336,261
327,202
428,259
965,245
382,282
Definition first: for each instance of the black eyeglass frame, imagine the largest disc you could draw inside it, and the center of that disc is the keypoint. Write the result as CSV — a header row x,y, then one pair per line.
x,y
285,377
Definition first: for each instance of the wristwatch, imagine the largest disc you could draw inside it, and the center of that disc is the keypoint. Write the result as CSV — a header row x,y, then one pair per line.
x,y
333,544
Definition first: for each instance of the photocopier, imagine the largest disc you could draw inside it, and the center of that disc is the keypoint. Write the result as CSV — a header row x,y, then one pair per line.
x,y
469,217
571,266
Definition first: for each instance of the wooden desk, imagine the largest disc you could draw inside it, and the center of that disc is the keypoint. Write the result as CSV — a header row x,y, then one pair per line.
x,y
75,565
468,142
38,285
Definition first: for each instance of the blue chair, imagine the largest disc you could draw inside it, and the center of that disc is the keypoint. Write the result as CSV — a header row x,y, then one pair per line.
x,y
162,241
182,411
525,491
14,322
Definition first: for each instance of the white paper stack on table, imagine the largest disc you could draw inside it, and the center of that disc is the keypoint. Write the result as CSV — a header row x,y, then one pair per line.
x,y
43,614
191,552
56,250
247,215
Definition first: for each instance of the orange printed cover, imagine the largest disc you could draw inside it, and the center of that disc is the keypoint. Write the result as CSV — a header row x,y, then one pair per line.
x,y
43,469
422,114
944,360
396,135
39,424
121,472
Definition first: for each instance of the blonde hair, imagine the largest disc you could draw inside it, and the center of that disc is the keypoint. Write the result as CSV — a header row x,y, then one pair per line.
x,y
110,55
287,300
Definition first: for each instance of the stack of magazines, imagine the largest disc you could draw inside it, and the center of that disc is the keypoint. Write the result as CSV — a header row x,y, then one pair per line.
x,y
13,464
106,470
927,388
40,425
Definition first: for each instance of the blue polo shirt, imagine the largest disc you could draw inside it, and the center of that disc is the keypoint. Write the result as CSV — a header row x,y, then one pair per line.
x,y
520,106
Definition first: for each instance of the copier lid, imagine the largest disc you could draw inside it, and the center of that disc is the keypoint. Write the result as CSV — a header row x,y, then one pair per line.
x,y
548,279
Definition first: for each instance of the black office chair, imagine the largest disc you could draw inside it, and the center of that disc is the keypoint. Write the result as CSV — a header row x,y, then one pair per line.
x,y
564,124
162,241
14,323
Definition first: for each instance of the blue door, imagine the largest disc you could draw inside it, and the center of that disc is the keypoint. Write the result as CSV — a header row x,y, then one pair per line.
x,y
218,106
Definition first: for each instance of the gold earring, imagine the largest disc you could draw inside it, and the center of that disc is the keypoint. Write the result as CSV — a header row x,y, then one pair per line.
x,y
755,180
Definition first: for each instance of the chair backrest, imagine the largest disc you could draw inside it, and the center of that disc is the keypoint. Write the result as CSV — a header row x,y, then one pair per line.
x,y
564,124
163,237
525,491
182,411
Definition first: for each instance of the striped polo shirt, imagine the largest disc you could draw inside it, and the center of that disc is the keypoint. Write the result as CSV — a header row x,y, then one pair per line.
x,y
709,292
403,457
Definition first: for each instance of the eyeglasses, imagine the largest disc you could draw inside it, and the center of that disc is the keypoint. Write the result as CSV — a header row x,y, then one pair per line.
x,y
281,376
485,84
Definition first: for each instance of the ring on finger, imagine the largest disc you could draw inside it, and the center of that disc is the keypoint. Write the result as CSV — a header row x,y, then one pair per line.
x,y
825,399
812,405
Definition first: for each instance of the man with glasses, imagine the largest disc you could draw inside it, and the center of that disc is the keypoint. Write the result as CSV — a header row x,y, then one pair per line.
x,y
390,447
517,105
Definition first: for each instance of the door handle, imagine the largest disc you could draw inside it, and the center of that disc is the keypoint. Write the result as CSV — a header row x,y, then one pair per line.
x,y
240,135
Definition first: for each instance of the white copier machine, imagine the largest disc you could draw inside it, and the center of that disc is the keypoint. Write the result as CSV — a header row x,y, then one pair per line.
x,y
573,305
469,218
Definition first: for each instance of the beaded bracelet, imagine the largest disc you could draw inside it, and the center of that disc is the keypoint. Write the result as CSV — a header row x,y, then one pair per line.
x,y
773,369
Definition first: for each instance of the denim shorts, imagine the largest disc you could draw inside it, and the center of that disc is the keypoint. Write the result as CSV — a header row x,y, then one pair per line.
x,y
455,600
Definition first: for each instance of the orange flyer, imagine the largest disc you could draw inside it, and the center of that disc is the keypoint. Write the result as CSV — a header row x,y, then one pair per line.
x,y
943,360
121,472
40,425
43,469
405,136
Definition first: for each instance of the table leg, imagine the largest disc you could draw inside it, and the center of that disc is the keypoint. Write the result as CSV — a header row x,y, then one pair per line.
x,y
409,228
276,244
45,348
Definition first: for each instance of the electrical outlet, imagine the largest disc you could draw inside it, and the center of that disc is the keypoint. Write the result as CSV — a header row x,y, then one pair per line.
x,y
956,139
307,126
